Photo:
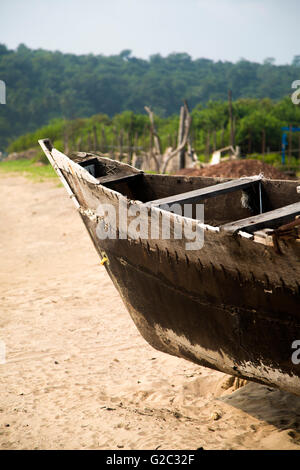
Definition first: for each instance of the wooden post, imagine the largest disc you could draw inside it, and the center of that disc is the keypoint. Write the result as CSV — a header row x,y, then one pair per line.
x,y
263,147
180,137
230,118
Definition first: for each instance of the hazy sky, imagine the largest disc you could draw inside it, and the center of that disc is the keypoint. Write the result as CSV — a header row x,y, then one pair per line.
x,y
215,29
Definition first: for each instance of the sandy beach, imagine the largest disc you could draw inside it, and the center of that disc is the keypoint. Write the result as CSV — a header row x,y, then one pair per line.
x,y
78,375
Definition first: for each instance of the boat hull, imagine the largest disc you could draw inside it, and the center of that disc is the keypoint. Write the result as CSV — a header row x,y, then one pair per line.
x,y
205,312
232,305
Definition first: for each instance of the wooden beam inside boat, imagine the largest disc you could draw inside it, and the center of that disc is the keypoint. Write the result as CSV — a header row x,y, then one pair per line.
x,y
206,193
122,179
269,219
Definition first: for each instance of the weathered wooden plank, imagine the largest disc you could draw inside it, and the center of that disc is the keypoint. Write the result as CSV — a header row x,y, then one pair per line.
x,y
269,219
48,148
206,193
121,179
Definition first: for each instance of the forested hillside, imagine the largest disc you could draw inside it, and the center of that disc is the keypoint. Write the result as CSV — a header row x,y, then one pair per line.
x,y
43,85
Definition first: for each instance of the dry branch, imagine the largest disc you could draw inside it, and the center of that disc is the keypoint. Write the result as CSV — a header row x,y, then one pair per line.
x,y
171,154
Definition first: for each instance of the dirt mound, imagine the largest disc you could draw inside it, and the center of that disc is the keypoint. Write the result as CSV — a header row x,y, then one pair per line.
x,y
235,169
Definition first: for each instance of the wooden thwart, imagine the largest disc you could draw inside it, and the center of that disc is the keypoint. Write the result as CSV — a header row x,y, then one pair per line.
x,y
271,219
121,179
206,193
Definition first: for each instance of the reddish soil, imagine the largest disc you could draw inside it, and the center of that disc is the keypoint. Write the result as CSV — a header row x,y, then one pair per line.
x,y
236,169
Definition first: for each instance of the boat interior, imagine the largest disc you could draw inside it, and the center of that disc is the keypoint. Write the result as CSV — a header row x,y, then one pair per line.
x,y
247,204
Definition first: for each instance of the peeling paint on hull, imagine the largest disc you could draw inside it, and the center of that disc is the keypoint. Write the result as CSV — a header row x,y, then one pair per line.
x,y
232,306
245,343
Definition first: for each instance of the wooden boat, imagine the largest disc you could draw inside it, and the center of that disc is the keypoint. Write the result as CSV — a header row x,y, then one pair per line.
x,y
232,305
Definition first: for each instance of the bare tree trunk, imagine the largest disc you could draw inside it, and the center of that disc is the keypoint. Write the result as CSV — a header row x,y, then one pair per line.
x,y
162,161
174,140
172,153
190,150
180,137
190,146
151,142
154,139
